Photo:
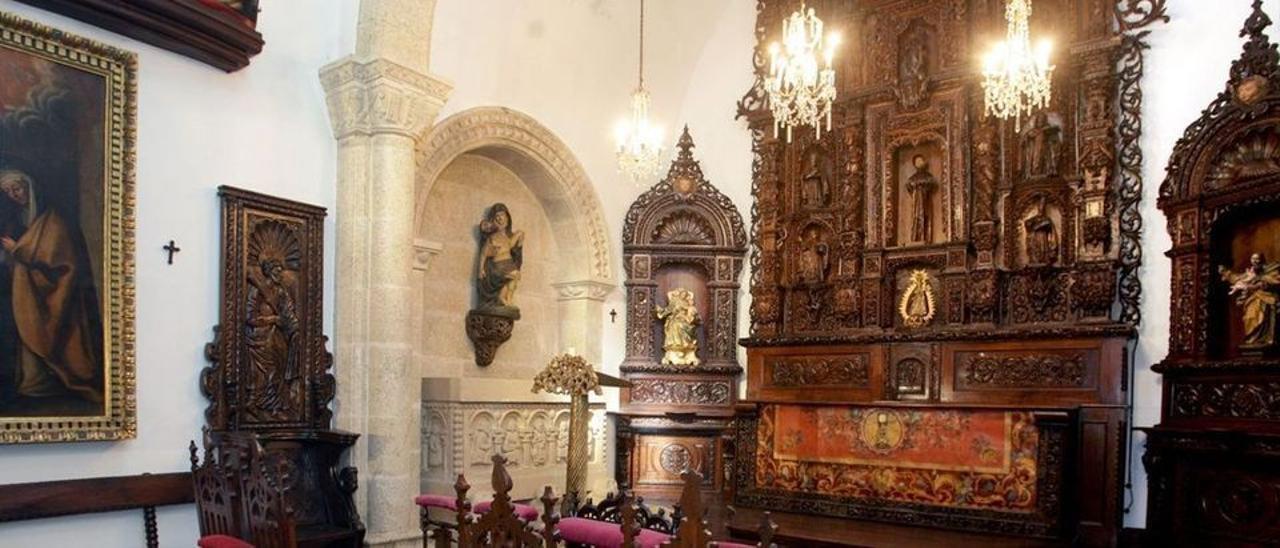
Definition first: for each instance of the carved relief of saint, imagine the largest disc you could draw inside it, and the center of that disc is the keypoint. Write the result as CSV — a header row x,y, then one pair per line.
x,y
274,385
501,257
1257,291
1041,237
913,75
1041,142
814,186
812,263
921,186
680,320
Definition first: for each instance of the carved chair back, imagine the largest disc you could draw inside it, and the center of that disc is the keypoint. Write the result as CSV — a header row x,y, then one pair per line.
x,y
240,491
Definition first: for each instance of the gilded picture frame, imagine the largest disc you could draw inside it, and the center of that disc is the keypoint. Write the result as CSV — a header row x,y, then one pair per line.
x,y
67,123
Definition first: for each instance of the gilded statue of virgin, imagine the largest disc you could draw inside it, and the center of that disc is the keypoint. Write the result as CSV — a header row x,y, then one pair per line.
x,y
680,320
501,256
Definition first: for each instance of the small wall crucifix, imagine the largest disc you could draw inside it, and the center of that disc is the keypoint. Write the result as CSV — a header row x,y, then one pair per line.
x,y
172,248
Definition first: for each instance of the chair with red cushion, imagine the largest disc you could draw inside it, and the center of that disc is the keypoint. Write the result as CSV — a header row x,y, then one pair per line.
x,y
221,541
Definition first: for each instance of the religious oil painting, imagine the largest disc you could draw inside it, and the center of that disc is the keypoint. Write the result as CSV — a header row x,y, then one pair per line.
x,y
66,242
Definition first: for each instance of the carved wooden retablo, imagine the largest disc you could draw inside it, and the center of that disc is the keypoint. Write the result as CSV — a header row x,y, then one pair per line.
x,y
922,255
1213,462
683,245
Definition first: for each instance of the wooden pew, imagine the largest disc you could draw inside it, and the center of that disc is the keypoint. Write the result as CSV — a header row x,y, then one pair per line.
x,y
46,499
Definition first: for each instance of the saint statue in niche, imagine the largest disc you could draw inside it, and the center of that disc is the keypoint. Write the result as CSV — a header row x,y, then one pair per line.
x,y
921,185
275,383
501,257
1041,237
814,185
1041,142
680,320
1257,291
916,308
812,264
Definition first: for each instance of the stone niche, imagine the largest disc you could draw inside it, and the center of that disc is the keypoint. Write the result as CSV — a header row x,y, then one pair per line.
x,y
469,162
466,420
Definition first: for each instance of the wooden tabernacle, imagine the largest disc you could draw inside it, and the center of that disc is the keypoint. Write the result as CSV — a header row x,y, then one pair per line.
x,y
942,301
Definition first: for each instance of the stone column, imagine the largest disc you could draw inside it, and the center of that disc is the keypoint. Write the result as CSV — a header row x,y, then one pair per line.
x,y
378,110
581,311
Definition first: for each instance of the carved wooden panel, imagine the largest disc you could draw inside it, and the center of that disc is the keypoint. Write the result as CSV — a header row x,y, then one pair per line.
x,y
982,370
814,371
661,459
652,391
270,367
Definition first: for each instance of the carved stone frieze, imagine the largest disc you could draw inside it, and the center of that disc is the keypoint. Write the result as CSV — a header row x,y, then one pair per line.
x,y
825,371
533,436
380,96
654,391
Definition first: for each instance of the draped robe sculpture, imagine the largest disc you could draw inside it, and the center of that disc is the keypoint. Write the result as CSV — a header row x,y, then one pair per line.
x,y
1257,291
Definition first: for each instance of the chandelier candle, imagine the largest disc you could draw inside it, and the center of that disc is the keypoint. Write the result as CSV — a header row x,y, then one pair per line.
x,y
1016,78
801,90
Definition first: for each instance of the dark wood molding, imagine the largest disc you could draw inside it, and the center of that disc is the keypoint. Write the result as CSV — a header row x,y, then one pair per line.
x,y
223,39
47,499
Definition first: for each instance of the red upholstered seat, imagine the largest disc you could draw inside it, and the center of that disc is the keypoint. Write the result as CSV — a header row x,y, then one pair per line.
x,y
523,511
221,541
436,501
602,534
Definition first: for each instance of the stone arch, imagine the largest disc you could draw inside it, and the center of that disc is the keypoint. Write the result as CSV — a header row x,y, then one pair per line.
x,y
545,163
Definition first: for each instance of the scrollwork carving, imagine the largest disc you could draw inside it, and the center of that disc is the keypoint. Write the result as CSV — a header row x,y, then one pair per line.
x,y
1022,371
800,372
680,392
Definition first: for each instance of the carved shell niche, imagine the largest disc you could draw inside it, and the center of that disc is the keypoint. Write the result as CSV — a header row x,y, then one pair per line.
x,y
684,227
1253,156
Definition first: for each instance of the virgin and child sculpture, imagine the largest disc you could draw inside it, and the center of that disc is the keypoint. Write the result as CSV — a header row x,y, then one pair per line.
x,y
1257,291
679,328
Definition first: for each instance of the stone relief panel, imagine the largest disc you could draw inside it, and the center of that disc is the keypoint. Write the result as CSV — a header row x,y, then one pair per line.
x,y
533,436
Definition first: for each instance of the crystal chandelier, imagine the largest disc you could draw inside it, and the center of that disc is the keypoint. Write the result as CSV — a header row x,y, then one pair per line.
x,y
800,92
639,139
1016,79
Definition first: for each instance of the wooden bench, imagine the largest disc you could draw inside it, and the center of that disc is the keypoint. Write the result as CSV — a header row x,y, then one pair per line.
x,y
47,499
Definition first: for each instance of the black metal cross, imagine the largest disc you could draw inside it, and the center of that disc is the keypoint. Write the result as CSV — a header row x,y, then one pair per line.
x,y
171,248
613,315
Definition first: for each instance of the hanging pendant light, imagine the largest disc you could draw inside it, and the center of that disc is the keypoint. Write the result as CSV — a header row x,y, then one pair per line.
x,y
1015,78
639,139
799,88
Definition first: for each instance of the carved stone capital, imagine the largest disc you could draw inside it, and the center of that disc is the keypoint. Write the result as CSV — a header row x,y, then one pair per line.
x,y
425,251
377,96
592,290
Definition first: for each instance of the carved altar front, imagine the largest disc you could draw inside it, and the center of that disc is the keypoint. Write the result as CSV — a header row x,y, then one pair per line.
x,y
269,368
683,246
927,268
1213,462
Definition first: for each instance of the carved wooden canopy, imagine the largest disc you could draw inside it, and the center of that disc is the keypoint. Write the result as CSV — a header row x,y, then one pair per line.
x,y
683,223
1030,228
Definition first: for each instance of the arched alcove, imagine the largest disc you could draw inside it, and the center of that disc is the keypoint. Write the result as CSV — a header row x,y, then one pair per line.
x,y
465,164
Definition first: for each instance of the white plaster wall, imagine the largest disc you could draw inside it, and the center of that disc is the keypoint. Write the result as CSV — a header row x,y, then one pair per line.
x,y
1186,68
263,128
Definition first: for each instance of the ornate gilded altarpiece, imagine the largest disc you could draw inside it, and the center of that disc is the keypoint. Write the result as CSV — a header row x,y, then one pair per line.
x,y
269,372
1213,462
681,234
923,267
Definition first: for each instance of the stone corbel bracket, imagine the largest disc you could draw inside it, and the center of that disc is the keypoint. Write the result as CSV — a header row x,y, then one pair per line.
x,y
487,332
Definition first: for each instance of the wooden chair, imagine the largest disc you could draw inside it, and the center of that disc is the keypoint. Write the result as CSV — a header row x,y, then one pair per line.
x,y
239,492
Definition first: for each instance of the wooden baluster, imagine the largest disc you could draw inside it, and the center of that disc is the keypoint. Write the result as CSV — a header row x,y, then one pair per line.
x,y
692,530
149,524
630,527
767,530
550,534
461,487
